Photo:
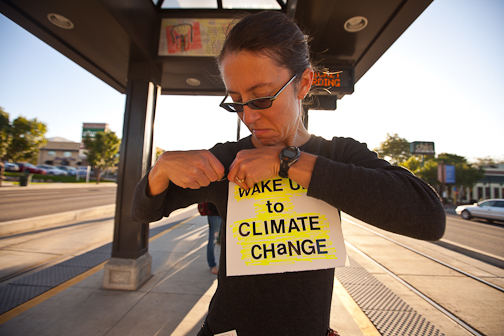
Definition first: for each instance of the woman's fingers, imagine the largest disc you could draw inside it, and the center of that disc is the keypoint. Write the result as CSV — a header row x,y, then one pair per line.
x,y
188,169
253,165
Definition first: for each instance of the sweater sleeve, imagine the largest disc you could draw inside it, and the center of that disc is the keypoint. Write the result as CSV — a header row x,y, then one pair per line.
x,y
389,197
146,209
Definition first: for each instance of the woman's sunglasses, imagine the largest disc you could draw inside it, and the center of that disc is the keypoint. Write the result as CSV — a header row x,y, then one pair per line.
x,y
255,104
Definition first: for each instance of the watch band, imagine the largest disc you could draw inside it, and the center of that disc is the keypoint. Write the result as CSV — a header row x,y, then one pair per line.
x,y
288,156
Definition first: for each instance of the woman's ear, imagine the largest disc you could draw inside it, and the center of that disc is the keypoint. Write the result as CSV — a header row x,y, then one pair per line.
x,y
305,83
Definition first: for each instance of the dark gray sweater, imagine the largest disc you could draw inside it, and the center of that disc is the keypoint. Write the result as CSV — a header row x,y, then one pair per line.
x,y
348,176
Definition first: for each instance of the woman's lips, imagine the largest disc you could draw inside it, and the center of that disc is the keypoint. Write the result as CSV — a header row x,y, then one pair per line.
x,y
259,132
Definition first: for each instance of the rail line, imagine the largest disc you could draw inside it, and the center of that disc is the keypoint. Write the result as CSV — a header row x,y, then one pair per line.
x,y
453,317
429,257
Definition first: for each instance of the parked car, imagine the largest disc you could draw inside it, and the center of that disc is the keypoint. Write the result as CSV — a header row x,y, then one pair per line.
x,y
492,209
52,170
72,171
11,167
32,169
82,171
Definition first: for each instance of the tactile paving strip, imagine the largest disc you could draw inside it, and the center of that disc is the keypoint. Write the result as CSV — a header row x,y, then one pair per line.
x,y
388,312
24,289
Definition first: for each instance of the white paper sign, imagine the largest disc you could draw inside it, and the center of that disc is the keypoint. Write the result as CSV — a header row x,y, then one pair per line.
x,y
275,227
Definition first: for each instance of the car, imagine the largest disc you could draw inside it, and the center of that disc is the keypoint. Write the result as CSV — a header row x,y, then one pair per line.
x,y
32,169
492,209
11,167
82,171
72,171
52,170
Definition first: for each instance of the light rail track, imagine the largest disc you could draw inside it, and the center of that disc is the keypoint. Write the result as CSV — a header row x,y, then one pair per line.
x,y
436,305
429,257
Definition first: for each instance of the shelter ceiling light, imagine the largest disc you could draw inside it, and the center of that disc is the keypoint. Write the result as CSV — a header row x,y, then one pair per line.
x,y
60,21
193,81
356,24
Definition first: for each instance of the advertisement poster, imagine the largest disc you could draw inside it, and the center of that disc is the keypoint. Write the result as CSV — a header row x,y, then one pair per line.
x,y
192,37
275,227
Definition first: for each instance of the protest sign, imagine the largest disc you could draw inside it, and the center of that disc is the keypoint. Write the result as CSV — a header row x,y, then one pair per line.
x,y
275,227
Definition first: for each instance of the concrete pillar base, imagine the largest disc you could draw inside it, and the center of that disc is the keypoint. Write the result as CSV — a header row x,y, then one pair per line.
x,y
127,274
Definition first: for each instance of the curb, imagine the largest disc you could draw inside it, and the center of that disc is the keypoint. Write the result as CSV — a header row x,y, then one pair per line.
x,y
32,223
5,187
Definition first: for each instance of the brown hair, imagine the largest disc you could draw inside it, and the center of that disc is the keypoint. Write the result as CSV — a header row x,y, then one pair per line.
x,y
271,33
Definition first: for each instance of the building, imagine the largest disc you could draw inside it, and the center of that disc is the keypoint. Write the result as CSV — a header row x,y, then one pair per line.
x,y
60,151
490,186
90,130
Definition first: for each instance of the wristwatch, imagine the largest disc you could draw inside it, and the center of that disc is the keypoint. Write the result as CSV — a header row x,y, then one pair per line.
x,y
288,156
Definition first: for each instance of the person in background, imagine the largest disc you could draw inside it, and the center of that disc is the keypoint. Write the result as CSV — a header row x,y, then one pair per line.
x,y
214,225
266,68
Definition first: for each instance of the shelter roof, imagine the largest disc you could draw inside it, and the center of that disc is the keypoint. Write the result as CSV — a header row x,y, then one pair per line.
x,y
121,40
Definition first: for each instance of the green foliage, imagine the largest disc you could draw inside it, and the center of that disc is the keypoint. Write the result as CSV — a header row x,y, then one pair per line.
x,y
394,149
5,132
412,164
398,152
466,174
450,159
428,172
21,139
488,161
102,150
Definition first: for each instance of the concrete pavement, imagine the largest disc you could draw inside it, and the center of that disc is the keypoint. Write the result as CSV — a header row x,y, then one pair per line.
x,y
173,302
175,299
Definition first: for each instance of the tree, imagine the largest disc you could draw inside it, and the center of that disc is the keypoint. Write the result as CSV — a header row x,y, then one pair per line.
x,y
5,133
489,161
467,175
27,139
102,151
5,139
450,158
486,161
428,172
412,164
394,148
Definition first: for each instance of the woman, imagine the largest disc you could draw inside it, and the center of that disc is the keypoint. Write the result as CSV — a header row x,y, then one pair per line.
x,y
266,55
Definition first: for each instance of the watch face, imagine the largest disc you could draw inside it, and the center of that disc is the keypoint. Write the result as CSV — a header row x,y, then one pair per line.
x,y
289,153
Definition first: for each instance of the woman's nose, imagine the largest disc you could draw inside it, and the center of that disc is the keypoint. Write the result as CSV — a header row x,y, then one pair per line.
x,y
249,116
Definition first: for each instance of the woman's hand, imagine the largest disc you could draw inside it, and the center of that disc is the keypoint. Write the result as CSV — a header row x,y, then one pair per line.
x,y
186,169
254,165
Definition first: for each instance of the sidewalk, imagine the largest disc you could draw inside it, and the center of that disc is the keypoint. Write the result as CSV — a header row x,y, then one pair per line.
x,y
175,299
173,302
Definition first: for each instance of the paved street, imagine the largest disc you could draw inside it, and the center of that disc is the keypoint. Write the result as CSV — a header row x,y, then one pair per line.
x,y
26,202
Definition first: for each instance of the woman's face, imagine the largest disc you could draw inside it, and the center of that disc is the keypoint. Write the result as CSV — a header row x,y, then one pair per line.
x,y
249,75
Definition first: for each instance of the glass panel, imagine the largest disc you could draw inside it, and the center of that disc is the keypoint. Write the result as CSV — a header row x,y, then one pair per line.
x,y
487,204
189,4
252,4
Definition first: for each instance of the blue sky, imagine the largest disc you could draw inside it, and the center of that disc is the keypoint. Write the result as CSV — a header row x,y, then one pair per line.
x,y
442,81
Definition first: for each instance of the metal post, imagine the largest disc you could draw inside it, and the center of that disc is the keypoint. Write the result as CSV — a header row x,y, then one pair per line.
x,y
130,265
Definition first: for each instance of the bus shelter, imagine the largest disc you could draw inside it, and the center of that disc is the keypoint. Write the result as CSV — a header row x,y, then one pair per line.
x,y
144,48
